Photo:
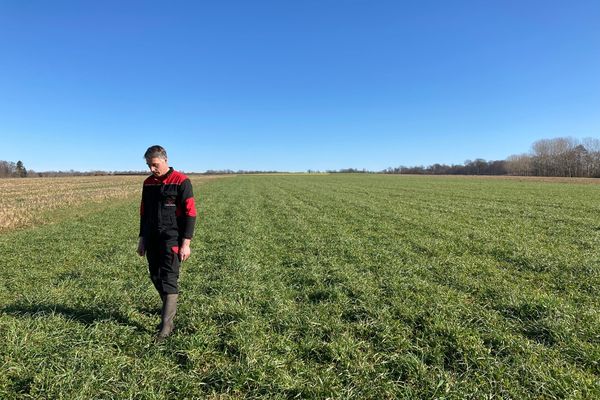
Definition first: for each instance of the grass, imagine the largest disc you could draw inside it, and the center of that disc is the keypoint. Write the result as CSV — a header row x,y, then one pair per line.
x,y
341,286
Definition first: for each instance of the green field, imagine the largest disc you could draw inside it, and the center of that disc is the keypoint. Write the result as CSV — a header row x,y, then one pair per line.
x,y
334,286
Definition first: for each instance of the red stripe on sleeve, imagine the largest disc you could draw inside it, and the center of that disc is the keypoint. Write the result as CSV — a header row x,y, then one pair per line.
x,y
190,207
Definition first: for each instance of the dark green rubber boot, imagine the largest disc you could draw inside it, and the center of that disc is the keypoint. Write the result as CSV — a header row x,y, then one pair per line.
x,y
162,297
168,314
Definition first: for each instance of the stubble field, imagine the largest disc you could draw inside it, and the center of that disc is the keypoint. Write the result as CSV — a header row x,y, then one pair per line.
x,y
335,286
31,201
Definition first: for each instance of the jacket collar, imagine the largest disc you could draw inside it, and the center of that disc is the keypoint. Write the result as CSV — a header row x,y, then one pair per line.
x,y
165,176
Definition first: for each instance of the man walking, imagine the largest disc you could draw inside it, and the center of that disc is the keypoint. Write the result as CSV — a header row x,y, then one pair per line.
x,y
167,219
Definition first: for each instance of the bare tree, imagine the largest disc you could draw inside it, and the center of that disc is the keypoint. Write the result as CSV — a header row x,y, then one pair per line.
x,y
519,164
7,169
592,157
541,156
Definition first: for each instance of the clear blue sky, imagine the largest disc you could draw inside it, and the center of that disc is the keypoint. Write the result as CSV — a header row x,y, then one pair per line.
x,y
293,85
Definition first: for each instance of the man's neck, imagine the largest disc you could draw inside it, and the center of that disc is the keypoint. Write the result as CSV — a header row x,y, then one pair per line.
x,y
163,176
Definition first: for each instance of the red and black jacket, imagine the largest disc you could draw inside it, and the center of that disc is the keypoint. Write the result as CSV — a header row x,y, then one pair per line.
x,y
167,208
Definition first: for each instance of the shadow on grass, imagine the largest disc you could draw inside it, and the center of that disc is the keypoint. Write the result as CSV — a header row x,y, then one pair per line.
x,y
149,311
86,316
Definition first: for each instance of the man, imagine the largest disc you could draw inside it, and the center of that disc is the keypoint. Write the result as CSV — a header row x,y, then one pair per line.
x,y
167,219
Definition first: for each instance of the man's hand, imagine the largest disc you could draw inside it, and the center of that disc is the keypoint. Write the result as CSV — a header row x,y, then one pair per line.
x,y
141,250
185,251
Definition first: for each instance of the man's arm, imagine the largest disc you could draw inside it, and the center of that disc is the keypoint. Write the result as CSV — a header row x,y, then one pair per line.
x,y
141,250
189,219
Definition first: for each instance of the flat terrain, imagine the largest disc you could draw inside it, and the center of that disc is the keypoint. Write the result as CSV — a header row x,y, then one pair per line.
x,y
333,286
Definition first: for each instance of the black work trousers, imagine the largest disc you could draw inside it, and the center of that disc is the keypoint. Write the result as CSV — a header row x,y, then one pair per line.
x,y
163,263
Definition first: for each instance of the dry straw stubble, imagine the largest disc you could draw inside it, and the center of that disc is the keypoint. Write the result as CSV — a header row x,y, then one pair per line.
x,y
25,202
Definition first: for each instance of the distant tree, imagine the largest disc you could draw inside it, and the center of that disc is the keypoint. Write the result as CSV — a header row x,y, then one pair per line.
x,y
592,158
7,169
519,164
20,169
497,167
576,160
541,157
563,157
479,166
3,169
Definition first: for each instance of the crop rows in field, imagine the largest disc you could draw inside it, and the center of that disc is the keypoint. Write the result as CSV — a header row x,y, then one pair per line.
x,y
413,286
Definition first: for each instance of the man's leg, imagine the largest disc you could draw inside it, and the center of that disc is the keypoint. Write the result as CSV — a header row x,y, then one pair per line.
x,y
169,275
154,256
163,298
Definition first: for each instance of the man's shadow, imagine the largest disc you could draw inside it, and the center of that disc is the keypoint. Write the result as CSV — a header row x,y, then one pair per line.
x,y
86,316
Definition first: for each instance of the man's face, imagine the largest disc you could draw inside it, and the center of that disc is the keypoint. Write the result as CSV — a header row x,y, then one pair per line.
x,y
158,166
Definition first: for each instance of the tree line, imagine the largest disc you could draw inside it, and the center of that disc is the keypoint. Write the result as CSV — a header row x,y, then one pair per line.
x,y
12,170
562,157
478,166
567,157
238,172
9,169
